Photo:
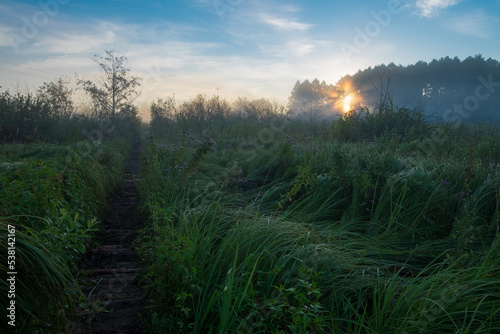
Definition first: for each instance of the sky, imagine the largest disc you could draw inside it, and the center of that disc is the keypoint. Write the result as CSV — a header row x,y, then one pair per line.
x,y
235,48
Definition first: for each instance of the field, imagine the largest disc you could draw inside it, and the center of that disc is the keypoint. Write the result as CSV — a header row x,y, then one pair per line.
x,y
375,223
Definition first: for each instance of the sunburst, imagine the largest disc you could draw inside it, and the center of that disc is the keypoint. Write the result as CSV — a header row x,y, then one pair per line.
x,y
347,103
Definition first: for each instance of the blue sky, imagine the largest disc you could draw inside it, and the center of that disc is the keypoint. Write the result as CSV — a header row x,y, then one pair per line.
x,y
236,47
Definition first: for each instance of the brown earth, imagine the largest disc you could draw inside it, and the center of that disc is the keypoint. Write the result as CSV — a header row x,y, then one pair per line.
x,y
114,299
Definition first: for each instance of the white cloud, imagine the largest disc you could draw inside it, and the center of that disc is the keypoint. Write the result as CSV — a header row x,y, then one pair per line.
x,y
296,48
476,24
283,23
260,50
101,36
289,8
4,36
430,8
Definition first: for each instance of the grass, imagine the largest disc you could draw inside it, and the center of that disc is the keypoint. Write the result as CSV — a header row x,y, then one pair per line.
x,y
376,223
323,234
53,196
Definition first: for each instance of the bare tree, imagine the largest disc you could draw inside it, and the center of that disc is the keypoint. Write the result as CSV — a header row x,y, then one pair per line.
x,y
383,89
115,89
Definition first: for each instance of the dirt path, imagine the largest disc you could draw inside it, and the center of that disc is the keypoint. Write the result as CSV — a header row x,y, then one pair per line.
x,y
112,266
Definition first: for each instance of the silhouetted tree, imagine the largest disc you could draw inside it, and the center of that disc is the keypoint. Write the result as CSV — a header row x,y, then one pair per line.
x,y
115,88
310,99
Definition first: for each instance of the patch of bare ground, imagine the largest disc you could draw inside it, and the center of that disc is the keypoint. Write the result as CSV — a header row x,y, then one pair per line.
x,y
109,269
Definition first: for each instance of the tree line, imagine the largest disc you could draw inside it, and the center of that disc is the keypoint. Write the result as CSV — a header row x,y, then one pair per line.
x,y
203,113
444,89
52,115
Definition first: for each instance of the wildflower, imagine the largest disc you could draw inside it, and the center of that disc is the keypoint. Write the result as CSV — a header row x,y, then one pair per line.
x,y
209,141
445,182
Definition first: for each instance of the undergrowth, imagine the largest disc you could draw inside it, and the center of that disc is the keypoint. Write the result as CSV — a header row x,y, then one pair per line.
x,y
52,196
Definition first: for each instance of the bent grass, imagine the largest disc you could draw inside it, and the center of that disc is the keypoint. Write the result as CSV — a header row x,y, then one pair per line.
x,y
332,237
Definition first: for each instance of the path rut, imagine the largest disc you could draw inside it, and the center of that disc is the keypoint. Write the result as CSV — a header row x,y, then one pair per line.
x,y
111,267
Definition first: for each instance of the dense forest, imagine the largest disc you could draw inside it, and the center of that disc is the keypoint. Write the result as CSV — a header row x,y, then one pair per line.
x,y
447,89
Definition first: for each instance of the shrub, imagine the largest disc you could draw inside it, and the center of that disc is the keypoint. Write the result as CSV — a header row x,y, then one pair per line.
x,y
387,120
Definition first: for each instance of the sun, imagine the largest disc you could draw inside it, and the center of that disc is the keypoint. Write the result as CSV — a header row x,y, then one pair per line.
x,y
347,103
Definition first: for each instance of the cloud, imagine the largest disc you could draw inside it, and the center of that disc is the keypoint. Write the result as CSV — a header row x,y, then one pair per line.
x,y
289,8
295,48
431,8
4,36
95,36
283,23
476,24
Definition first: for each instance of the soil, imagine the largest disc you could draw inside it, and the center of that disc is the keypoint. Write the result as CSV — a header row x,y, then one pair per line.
x,y
114,300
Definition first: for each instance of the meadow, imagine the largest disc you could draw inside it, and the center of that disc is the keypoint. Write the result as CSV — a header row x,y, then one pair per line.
x,y
257,222
378,222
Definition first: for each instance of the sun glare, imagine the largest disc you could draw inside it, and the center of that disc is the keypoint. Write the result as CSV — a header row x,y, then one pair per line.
x,y
347,103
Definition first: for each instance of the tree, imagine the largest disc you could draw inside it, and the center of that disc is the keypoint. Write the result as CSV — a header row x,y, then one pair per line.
x,y
115,89
163,109
58,96
26,117
256,109
163,114
442,86
311,98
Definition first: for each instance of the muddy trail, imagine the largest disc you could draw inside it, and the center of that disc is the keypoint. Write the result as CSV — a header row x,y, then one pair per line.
x,y
114,300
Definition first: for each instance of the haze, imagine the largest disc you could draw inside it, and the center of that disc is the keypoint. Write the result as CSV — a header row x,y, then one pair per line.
x,y
236,47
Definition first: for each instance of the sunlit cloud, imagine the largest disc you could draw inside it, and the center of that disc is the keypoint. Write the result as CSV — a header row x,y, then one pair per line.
x,y
166,60
431,8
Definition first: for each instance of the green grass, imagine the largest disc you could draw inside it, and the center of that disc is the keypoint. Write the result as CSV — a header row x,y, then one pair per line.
x,y
53,196
301,235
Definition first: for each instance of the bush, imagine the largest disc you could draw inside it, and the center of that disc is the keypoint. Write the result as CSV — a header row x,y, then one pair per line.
x,y
387,120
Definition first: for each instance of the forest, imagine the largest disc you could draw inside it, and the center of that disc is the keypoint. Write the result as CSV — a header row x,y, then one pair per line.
x,y
446,90
371,205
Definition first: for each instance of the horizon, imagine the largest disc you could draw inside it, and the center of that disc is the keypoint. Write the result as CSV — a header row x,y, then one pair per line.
x,y
236,48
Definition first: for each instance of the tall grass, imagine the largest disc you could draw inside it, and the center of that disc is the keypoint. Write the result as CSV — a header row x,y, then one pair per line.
x,y
41,286
53,195
325,236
